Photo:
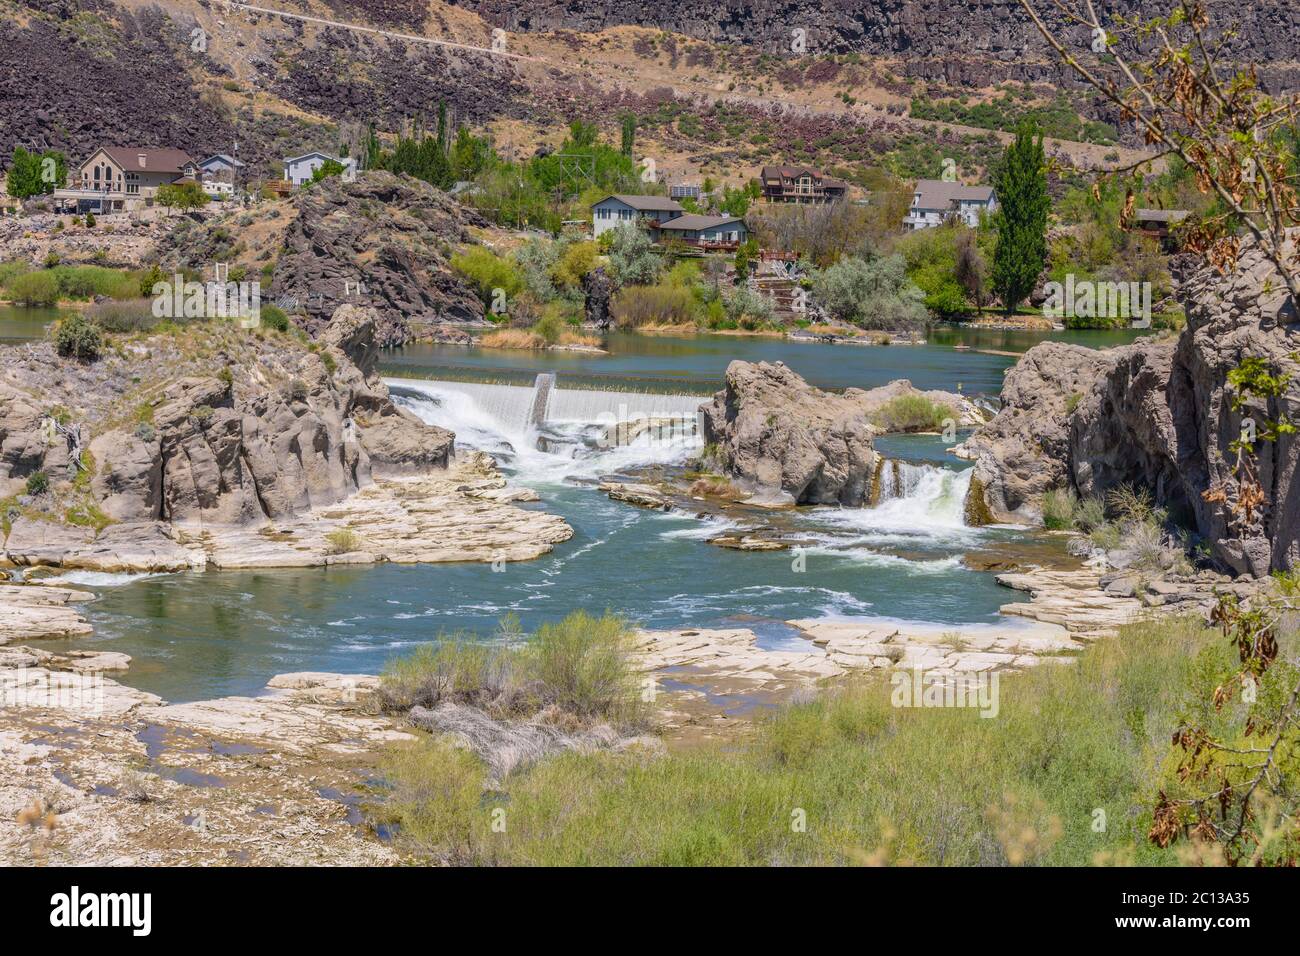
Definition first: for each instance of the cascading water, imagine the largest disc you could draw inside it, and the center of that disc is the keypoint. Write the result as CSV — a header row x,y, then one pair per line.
x,y
914,506
920,495
546,434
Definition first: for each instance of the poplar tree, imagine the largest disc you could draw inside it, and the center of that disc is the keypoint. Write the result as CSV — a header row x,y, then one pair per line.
x,y
1021,218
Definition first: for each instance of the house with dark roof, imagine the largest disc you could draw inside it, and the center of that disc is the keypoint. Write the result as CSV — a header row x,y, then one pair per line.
x,y
800,184
122,178
935,201
617,210
707,232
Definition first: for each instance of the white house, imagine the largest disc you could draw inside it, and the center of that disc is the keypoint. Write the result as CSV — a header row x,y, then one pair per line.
x,y
935,201
299,169
614,211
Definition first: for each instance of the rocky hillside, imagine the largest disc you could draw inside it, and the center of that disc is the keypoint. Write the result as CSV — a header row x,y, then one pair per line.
x,y
383,241
129,72
711,95
1160,414
972,44
209,425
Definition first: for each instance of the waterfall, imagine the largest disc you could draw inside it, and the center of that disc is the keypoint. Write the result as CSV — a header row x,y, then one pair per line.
x,y
546,433
597,405
541,398
923,497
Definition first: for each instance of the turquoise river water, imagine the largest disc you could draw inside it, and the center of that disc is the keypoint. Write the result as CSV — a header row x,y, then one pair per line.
x,y
200,635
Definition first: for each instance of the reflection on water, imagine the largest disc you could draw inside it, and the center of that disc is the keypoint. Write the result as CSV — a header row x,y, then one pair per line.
x,y
22,324
696,363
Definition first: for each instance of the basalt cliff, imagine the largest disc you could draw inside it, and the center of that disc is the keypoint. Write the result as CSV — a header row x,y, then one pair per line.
x,y
1164,414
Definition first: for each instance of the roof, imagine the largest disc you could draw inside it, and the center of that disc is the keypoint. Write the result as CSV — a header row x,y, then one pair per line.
x,y
225,158
938,194
794,172
316,152
646,203
155,160
1161,215
694,223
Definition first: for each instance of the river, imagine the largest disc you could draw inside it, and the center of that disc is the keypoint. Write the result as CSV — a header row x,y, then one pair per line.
x,y
199,635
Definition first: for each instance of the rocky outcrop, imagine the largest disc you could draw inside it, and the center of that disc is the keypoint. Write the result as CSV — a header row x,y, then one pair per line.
x,y
212,427
382,241
28,612
1024,450
1159,414
777,435
771,430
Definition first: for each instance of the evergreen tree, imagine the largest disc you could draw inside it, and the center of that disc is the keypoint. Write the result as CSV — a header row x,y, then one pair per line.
x,y
373,160
629,134
443,138
1021,220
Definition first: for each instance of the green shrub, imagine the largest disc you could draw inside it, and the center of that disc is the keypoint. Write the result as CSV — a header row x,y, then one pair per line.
x,y
1131,504
912,413
639,305
11,269
274,317
37,483
80,338
487,273
1090,514
342,541
128,315
34,288
1059,506
86,282
582,664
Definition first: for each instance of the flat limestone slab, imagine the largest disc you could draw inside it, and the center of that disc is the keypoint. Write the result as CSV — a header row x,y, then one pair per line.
x,y
459,515
266,780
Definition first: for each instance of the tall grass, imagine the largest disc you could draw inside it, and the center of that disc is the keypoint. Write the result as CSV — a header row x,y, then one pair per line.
x,y
581,665
912,413
874,783
70,282
642,305
1059,506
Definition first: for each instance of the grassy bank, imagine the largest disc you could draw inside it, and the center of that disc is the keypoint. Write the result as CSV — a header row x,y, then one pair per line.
x,y
1072,745
45,287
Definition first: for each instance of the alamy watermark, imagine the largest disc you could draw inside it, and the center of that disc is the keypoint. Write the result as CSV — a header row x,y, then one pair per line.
x,y
40,689
1090,299
219,298
921,688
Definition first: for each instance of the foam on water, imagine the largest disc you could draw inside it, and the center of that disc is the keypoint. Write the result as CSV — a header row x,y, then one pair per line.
x,y
494,419
100,579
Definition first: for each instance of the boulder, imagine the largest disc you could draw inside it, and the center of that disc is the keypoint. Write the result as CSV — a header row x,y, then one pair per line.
x,y
1024,450
773,432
